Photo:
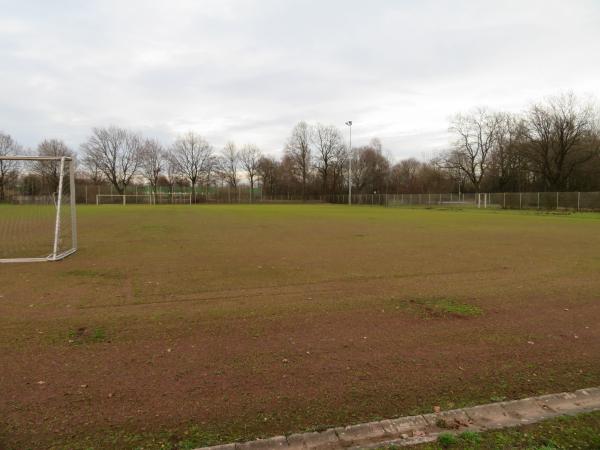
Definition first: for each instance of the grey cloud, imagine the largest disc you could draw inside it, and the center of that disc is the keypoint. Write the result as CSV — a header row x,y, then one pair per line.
x,y
248,70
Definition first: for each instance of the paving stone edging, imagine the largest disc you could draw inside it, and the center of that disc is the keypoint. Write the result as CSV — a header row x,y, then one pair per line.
x,y
413,430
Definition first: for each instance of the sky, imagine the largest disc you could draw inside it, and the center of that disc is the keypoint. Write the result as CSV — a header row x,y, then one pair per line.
x,y
249,70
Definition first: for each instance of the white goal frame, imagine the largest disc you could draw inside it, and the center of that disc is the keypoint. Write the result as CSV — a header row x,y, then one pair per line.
x,y
55,255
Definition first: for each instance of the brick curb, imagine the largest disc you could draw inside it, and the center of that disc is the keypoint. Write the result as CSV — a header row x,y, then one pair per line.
x,y
413,430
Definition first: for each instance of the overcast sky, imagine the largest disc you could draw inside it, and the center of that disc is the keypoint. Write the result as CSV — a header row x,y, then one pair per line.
x,y
249,70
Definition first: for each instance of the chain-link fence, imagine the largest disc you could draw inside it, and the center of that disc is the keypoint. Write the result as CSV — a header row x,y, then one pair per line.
x,y
136,194
574,201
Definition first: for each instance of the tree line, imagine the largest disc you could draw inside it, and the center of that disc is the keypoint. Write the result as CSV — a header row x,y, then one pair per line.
x,y
552,146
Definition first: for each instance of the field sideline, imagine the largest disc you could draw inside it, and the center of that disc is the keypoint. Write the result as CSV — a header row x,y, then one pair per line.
x,y
181,326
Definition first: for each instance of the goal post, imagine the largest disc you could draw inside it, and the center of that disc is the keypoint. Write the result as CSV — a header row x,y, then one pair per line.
x,y
38,220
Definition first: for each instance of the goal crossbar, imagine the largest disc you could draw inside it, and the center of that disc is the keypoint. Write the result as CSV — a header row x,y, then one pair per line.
x,y
56,254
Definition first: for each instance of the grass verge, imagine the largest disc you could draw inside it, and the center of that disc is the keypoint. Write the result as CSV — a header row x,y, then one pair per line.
x,y
566,432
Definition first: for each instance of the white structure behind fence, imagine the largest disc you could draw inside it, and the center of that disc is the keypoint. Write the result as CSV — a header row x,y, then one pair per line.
x,y
174,198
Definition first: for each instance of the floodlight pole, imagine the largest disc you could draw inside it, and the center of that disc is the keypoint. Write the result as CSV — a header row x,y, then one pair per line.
x,y
349,123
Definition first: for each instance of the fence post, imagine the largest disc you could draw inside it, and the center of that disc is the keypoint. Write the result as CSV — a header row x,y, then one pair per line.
x,y
538,200
578,200
504,200
520,200
557,200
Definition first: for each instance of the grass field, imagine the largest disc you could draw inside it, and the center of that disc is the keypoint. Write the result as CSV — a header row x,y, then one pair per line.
x,y
180,326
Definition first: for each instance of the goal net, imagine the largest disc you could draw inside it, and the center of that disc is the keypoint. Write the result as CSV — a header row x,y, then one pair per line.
x,y
37,208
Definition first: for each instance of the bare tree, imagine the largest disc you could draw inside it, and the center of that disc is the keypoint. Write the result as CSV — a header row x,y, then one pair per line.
x,y
229,163
152,162
49,171
562,137
339,169
193,156
477,133
268,171
299,152
329,146
405,176
250,157
92,170
171,171
116,151
211,167
370,170
508,159
375,144
8,169
359,170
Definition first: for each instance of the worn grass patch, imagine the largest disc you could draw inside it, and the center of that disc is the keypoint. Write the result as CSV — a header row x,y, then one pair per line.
x,y
92,273
439,307
190,438
84,335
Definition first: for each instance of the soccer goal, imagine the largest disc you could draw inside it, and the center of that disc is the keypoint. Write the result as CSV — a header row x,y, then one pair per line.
x,y
174,198
37,208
